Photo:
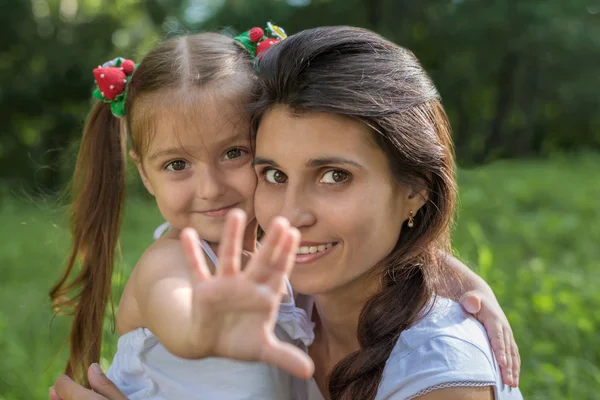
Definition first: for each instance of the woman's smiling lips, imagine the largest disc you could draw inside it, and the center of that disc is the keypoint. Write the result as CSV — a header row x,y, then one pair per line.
x,y
311,251
217,212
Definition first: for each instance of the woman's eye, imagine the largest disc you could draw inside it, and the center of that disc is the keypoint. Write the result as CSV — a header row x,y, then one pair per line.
x,y
233,154
177,165
275,176
334,176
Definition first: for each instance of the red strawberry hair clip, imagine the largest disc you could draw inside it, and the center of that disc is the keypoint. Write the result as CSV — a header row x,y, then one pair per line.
x,y
257,40
111,81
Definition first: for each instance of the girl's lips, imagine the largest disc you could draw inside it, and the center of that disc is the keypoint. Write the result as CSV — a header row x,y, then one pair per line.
x,y
220,212
311,257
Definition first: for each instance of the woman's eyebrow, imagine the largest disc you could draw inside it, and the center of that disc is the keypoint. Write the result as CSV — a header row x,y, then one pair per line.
x,y
264,161
312,163
321,162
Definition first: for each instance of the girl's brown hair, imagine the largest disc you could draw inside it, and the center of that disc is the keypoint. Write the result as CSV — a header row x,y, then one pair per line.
x,y
359,74
183,66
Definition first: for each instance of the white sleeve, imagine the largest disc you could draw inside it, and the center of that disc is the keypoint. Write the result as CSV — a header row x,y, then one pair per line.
x,y
443,361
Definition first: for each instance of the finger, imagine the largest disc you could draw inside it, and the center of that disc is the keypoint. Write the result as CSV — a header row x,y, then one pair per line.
x,y
289,358
496,336
102,385
230,248
260,267
471,302
52,394
285,260
69,390
509,361
514,351
194,256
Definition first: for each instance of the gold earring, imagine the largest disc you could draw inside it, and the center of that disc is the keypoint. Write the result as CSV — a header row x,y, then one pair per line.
x,y
411,221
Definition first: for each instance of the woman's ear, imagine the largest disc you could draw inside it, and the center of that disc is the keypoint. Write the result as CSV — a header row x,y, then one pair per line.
x,y
138,163
417,197
419,192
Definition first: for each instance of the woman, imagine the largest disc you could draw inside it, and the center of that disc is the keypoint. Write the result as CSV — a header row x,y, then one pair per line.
x,y
353,148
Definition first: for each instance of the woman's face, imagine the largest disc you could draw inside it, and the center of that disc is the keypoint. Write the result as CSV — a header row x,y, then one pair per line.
x,y
326,175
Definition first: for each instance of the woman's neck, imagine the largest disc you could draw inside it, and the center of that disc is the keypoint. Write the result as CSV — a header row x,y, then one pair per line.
x,y
337,316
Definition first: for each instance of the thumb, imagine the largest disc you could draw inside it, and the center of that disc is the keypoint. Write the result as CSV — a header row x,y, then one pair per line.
x,y
102,385
289,358
471,302
65,389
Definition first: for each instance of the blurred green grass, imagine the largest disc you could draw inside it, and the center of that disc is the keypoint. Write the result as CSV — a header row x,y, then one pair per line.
x,y
530,228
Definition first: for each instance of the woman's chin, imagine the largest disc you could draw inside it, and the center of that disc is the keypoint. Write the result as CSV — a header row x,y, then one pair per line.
x,y
304,280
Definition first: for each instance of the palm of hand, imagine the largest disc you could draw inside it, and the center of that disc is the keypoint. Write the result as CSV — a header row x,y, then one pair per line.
x,y
235,318
234,312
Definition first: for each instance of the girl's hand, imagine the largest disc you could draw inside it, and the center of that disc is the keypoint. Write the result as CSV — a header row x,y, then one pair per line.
x,y
65,389
485,307
234,312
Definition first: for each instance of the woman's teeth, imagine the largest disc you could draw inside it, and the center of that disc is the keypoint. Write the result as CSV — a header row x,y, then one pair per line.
x,y
313,249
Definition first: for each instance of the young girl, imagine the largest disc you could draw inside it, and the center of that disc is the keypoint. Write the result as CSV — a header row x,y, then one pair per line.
x,y
190,140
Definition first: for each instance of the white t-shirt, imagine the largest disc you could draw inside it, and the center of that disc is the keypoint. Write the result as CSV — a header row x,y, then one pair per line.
x,y
447,348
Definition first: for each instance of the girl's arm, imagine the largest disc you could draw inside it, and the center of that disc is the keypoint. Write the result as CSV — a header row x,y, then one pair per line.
x,y
478,298
230,314
162,291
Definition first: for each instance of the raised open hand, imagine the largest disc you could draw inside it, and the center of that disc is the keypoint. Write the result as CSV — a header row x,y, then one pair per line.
x,y
234,312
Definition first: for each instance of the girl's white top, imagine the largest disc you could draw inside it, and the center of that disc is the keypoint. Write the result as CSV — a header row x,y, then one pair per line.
x,y
446,348
144,369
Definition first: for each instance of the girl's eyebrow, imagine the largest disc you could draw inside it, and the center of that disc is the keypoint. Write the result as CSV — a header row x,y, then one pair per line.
x,y
173,151
312,163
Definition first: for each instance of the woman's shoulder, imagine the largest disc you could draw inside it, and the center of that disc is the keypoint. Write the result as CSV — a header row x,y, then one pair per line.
x,y
444,318
445,348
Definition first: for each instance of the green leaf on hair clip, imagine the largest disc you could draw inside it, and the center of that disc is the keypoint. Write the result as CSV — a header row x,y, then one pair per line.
x,y
118,108
248,44
98,95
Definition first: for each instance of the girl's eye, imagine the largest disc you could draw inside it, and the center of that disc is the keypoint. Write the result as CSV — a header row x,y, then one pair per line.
x,y
335,176
177,165
275,176
233,154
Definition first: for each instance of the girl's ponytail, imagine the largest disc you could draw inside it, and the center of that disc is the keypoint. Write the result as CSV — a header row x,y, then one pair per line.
x,y
98,195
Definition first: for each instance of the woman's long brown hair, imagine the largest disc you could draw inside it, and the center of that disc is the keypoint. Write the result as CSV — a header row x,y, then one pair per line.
x,y
182,65
358,74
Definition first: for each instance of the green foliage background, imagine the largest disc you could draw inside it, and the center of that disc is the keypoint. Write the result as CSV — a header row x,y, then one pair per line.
x,y
536,246
518,78
519,81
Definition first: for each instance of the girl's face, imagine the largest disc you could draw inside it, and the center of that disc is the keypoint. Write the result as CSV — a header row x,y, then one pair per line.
x,y
198,164
325,174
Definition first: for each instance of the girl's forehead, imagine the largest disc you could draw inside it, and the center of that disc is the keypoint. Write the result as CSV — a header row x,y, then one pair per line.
x,y
196,119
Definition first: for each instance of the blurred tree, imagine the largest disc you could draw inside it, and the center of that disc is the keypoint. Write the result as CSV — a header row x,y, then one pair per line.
x,y
517,78
46,58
